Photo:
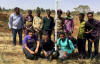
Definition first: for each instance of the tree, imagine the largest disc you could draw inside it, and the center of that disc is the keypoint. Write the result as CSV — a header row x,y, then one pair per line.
x,y
83,8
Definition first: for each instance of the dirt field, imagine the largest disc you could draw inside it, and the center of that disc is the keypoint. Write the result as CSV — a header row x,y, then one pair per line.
x,y
14,55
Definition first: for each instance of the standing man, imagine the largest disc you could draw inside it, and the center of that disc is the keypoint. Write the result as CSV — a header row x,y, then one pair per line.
x,y
92,34
60,22
38,24
28,22
16,24
81,37
48,23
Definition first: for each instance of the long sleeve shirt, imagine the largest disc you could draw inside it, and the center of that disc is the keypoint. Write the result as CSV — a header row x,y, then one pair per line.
x,y
93,25
15,22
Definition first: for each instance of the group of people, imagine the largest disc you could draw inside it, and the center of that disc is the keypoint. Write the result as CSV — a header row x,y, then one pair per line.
x,y
37,34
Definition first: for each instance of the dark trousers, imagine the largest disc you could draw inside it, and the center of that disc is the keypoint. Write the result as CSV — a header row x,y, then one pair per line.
x,y
27,53
81,46
96,46
14,33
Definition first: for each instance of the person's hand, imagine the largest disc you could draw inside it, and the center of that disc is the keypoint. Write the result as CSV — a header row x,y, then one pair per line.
x,y
31,52
36,50
10,29
87,32
45,53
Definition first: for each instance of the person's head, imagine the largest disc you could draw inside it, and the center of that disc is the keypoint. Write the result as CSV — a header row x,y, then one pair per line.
x,y
38,12
48,12
59,13
68,13
90,15
45,36
81,16
30,32
62,35
29,12
17,10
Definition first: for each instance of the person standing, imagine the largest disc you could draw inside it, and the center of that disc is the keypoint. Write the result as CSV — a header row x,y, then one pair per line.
x,y
60,22
48,24
16,25
68,24
81,37
92,31
28,21
38,24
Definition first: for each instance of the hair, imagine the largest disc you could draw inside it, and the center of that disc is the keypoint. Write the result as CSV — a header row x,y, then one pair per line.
x,y
61,33
90,13
16,8
29,11
59,11
82,14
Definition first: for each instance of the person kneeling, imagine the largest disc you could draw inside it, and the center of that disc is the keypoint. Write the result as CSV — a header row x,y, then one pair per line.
x,y
47,46
31,45
65,46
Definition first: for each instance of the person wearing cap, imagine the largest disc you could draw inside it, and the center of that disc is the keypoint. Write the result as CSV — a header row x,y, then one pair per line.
x,y
16,25
31,45
38,24
28,21
47,46
68,24
60,22
48,24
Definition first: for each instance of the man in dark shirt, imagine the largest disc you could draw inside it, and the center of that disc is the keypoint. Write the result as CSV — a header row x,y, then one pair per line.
x,y
92,30
47,46
48,23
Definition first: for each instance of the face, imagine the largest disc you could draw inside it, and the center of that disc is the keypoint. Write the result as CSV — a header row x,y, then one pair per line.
x,y
45,37
29,12
38,13
80,17
90,17
62,36
68,13
59,14
30,33
48,13
17,11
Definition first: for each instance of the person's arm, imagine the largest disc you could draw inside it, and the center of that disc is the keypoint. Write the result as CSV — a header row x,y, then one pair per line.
x,y
37,47
71,45
41,24
10,22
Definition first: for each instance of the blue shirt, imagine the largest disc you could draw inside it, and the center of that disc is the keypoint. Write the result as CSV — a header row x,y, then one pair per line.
x,y
15,22
64,45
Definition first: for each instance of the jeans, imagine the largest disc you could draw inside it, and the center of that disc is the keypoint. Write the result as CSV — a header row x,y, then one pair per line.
x,y
14,33
96,46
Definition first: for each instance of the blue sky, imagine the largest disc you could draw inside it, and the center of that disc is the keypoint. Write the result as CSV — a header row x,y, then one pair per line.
x,y
62,4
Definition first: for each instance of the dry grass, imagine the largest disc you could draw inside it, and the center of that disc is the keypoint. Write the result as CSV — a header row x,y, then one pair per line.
x,y
14,55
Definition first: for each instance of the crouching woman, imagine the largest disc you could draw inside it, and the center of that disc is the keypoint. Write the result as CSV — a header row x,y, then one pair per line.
x,y
31,45
65,46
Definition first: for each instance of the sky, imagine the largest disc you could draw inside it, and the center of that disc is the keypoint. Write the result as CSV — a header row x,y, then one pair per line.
x,y
50,4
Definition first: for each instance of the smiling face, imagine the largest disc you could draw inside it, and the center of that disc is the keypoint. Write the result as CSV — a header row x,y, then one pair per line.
x,y
62,36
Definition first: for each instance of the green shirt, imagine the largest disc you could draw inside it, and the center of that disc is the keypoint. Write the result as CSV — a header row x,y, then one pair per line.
x,y
64,45
48,24
81,30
